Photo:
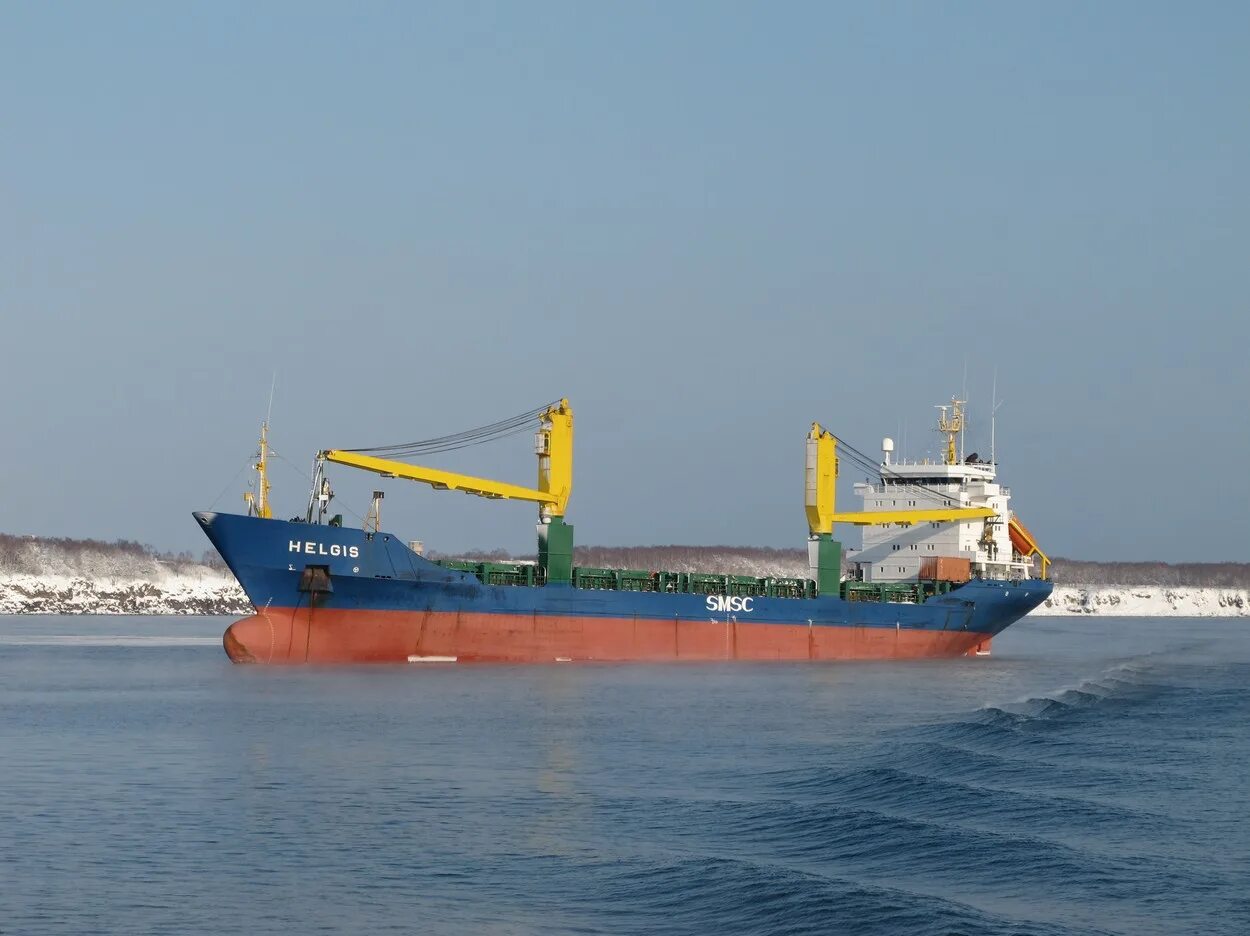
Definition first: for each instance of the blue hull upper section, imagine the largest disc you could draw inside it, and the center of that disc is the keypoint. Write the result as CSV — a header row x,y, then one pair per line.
x,y
379,573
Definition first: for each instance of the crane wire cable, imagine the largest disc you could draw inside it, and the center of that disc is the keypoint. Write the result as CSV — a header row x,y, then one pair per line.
x,y
872,466
229,484
456,440
491,432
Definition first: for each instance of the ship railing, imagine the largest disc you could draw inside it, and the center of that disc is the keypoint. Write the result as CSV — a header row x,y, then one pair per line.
x,y
599,579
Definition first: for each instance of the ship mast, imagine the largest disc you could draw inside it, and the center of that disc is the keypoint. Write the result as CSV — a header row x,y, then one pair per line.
x,y
258,502
952,424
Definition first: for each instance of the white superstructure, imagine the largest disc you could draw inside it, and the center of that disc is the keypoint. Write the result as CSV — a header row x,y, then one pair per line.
x,y
895,552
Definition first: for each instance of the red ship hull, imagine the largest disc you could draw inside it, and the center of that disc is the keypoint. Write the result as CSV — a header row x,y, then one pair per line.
x,y
333,636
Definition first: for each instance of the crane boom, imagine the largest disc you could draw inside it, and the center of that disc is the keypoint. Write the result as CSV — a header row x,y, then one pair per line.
x,y
438,478
553,444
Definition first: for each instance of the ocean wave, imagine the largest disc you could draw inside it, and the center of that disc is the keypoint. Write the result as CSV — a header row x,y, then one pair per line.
x,y
935,794
1048,843
721,894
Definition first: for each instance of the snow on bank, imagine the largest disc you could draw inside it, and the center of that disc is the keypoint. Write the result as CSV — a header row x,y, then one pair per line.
x,y
65,576
202,591
1147,601
88,577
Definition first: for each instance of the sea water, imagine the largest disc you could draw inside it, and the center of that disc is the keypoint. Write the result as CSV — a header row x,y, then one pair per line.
x,y
1089,777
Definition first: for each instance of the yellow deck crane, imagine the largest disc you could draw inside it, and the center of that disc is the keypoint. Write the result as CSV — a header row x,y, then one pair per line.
x,y
553,444
821,476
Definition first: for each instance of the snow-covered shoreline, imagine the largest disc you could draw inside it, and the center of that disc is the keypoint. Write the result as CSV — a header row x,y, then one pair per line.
x,y
202,590
1147,601
41,576
66,576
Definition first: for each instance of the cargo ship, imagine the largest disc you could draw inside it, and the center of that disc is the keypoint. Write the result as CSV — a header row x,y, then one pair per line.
x,y
944,567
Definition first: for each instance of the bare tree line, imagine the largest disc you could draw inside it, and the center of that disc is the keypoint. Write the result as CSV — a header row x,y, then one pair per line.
x,y
37,555
1206,574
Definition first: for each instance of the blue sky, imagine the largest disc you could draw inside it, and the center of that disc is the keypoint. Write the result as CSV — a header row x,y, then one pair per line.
x,y
706,224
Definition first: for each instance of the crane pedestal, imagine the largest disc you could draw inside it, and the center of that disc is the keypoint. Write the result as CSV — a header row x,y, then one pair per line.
x,y
824,558
555,550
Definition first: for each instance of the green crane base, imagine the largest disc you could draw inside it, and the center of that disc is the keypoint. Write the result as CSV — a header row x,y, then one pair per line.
x,y
555,550
824,557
